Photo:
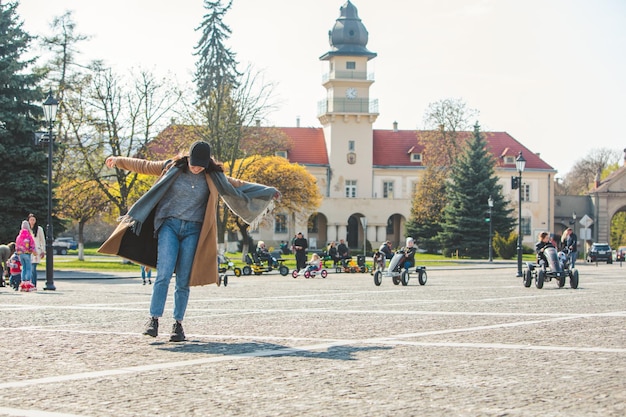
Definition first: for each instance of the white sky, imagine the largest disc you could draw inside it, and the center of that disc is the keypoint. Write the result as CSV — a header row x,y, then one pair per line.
x,y
552,73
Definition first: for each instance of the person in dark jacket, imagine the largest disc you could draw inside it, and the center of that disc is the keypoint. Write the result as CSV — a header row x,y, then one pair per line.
x,y
300,245
343,251
570,242
541,245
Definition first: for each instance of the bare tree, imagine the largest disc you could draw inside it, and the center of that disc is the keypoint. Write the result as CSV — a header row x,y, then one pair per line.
x,y
114,117
581,178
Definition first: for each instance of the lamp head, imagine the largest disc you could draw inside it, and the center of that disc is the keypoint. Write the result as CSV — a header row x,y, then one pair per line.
x,y
50,107
520,163
490,201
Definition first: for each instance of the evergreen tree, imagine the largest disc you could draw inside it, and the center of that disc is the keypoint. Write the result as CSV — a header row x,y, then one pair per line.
x,y
471,183
24,188
441,147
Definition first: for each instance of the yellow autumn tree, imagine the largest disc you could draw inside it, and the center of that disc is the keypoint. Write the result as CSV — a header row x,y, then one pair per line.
x,y
299,191
80,201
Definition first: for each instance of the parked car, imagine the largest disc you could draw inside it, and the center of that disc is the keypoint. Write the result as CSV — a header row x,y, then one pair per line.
x,y
61,245
621,254
600,252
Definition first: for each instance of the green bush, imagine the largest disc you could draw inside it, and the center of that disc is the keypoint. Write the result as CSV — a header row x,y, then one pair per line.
x,y
505,247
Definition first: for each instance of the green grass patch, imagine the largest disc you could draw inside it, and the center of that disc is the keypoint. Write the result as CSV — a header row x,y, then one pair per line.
x,y
98,262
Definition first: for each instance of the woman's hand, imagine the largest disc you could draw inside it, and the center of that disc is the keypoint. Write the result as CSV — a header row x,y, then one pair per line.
x,y
110,161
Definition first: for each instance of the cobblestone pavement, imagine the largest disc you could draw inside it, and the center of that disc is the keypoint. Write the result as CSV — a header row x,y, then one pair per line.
x,y
471,342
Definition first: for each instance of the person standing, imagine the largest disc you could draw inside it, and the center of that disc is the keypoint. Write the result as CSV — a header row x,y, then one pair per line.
x,y
39,252
173,227
146,272
24,246
300,245
6,251
571,243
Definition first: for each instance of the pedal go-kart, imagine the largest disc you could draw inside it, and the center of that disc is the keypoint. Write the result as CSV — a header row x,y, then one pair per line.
x,y
310,273
398,272
224,265
257,267
557,267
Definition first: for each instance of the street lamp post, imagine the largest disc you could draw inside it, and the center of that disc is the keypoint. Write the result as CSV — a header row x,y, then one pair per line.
x,y
50,107
490,202
520,164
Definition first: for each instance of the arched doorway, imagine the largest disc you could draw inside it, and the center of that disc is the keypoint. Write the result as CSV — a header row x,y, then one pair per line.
x,y
395,230
316,231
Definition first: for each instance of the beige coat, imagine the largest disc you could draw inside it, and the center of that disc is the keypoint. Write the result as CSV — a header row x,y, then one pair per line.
x,y
205,266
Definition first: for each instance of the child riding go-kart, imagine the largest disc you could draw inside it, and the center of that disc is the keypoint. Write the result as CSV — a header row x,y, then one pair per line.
x,y
314,266
399,267
552,264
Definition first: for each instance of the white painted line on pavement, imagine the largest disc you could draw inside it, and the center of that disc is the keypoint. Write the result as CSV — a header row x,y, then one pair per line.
x,y
34,413
322,346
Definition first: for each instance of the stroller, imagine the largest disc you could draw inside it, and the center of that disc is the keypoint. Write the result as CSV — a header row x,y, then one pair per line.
x,y
398,271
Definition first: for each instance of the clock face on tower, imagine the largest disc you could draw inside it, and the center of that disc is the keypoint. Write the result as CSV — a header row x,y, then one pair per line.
x,y
351,93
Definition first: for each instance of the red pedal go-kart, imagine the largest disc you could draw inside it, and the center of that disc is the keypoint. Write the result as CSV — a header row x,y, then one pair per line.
x,y
310,272
557,267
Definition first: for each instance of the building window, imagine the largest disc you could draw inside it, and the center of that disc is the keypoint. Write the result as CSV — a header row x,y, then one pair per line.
x,y
387,189
526,230
525,192
350,188
350,65
416,157
280,223
282,154
509,160
351,146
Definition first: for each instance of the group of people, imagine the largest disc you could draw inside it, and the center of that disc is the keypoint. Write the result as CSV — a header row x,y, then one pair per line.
x,y
20,258
340,254
569,245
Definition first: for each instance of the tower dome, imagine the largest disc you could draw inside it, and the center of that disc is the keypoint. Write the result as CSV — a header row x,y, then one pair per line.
x,y
348,36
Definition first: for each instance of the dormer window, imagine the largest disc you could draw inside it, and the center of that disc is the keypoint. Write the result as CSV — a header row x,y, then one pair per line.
x,y
509,160
416,157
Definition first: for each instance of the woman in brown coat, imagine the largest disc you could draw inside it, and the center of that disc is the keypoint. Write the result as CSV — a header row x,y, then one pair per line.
x,y
173,227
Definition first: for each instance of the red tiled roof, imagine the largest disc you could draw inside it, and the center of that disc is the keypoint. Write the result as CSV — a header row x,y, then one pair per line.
x,y
502,144
393,147
309,146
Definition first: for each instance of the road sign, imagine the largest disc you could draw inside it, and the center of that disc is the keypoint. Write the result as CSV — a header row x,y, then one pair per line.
x,y
586,221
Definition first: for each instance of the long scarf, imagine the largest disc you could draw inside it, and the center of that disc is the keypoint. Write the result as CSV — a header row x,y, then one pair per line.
x,y
250,201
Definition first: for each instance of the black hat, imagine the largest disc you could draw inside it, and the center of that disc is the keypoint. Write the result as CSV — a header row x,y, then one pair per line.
x,y
200,154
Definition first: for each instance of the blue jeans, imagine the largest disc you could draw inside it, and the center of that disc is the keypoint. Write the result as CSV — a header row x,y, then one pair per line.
x,y
176,249
572,259
33,274
26,266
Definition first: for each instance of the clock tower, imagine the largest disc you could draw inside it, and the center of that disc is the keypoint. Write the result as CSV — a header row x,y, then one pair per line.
x,y
348,114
